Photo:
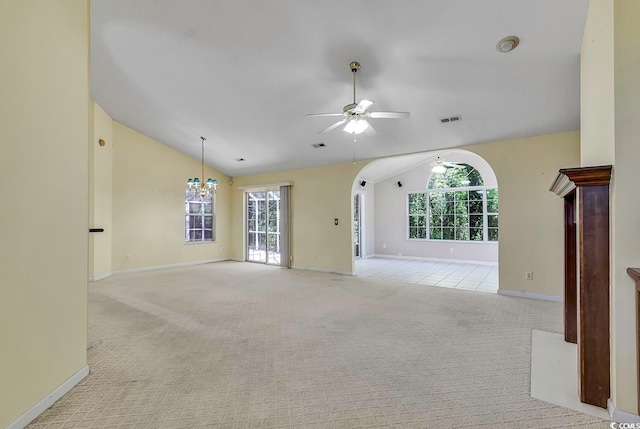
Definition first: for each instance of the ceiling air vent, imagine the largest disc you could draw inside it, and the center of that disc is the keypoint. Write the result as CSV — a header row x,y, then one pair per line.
x,y
318,145
451,119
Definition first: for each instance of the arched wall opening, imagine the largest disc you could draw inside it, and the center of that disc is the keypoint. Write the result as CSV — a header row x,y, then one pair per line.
x,y
381,227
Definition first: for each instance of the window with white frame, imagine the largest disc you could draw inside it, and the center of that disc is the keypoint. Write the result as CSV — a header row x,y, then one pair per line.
x,y
455,206
199,219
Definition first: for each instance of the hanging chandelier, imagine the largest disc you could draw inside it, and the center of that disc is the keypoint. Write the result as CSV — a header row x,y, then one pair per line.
x,y
204,189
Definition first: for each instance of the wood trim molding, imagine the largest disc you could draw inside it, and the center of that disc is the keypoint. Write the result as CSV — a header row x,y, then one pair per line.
x,y
570,178
634,273
562,185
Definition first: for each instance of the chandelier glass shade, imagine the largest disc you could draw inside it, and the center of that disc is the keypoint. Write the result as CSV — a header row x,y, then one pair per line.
x,y
202,188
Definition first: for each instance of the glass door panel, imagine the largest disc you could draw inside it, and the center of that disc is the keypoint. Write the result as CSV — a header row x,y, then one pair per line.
x,y
256,215
263,227
357,224
273,230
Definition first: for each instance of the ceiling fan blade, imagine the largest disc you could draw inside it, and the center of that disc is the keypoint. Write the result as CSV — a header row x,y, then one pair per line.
x,y
323,114
362,106
370,130
452,165
332,127
389,115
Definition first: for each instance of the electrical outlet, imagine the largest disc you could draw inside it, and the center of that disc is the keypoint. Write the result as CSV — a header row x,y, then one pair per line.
x,y
384,246
528,275
127,257
223,248
450,249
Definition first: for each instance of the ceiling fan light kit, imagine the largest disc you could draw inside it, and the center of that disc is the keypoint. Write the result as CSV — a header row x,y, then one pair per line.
x,y
356,126
355,114
440,166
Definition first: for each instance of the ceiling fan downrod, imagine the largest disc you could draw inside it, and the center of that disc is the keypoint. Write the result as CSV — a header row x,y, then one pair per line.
x,y
354,66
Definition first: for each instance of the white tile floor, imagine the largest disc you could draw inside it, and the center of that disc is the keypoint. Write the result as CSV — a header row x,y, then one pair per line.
x,y
483,278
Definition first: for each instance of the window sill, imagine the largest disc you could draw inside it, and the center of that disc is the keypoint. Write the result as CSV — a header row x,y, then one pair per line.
x,y
189,243
451,241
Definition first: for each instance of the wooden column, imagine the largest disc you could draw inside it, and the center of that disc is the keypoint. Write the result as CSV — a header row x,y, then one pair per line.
x,y
593,314
635,275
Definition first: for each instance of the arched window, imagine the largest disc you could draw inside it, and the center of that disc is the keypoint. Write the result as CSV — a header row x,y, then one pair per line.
x,y
455,206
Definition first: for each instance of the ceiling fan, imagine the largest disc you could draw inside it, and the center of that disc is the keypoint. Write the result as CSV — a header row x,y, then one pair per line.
x,y
440,165
355,115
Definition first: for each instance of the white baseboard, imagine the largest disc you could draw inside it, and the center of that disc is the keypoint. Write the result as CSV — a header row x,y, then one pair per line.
x,y
100,277
41,406
164,267
322,270
237,260
369,256
621,416
422,258
529,295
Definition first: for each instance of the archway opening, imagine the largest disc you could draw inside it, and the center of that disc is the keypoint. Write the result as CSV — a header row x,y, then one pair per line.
x,y
430,218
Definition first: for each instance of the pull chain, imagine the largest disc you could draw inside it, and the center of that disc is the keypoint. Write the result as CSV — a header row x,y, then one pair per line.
x,y
354,148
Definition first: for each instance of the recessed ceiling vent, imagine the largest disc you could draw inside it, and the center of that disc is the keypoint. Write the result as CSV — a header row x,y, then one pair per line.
x,y
239,159
451,119
318,145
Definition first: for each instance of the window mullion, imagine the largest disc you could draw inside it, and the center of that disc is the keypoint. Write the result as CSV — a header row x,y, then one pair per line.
x,y
485,217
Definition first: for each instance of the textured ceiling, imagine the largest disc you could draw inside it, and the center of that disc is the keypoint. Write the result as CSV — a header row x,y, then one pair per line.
x,y
245,73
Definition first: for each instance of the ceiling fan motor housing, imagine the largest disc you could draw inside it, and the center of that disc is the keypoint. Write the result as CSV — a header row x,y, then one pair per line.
x,y
348,109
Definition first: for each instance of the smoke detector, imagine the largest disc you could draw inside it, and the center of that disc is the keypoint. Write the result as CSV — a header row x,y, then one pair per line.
x,y
508,44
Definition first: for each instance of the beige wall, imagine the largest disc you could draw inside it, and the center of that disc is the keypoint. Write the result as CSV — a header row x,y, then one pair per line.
x,y
531,217
596,86
100,192
318,196
149,180
531,234
626,207
610,78
43,185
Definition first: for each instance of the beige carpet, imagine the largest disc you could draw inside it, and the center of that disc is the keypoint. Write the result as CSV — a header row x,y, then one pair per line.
x,y
238,345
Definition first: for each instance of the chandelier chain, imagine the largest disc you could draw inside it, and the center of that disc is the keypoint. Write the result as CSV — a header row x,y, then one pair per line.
x,y
202,184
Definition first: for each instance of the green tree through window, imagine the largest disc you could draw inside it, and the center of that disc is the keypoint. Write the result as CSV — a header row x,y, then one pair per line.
x,y
456,206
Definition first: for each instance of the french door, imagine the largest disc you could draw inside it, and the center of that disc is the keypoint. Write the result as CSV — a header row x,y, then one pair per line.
x,y
263,226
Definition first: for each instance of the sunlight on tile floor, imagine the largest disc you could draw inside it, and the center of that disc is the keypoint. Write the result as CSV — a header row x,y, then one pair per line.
x,y
483,278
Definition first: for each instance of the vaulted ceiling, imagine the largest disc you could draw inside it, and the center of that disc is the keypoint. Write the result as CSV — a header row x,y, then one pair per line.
x,y
245,73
